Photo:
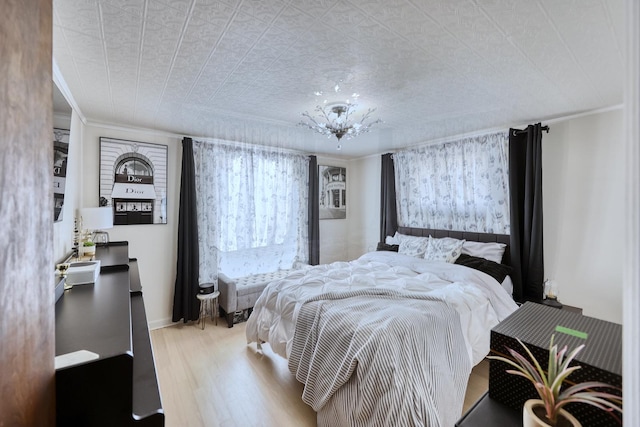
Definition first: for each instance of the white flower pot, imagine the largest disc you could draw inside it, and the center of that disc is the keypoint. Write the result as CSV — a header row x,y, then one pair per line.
x,y
530,419
88,250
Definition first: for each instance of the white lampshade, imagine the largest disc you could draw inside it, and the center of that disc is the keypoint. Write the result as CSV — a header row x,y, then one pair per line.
x,y
97,218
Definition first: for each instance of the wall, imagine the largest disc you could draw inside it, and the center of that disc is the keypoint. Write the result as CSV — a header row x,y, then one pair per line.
x,y
583,202
364,187
27,349
154,245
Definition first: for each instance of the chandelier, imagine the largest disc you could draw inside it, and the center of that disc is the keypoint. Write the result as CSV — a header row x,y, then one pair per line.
x,y
335,118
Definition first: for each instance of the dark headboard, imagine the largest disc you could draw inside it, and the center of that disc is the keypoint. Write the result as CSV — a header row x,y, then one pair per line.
x,y
466,235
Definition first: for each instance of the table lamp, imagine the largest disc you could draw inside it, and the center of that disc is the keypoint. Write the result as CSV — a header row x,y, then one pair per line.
x,y
551,294
97,219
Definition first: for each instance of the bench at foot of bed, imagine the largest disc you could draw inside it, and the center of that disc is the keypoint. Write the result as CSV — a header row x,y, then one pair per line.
x,y
241,293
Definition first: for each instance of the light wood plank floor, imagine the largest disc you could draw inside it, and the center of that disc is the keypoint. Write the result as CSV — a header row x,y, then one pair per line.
x,y
211,377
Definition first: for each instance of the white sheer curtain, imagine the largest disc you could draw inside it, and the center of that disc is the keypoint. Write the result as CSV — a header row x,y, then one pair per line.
x,y
460,185
252,208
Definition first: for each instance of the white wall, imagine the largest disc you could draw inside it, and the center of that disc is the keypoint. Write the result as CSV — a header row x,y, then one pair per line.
x,y
154,245
364,187
583,203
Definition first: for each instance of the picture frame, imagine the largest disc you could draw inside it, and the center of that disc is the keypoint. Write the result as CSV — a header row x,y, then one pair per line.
x,y
60,157
332,192
133,181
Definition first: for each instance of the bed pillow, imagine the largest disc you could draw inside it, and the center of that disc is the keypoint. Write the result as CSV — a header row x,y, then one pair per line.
x,y
413,245
446,249
386,247
492,251
493,269
393,240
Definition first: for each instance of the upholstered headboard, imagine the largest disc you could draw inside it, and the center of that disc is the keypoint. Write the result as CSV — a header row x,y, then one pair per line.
x,y
466,235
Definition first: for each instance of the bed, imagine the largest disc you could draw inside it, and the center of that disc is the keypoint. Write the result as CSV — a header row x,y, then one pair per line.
x,y
387,339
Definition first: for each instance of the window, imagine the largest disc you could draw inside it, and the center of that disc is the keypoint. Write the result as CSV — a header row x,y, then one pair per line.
x,y
459,185
252,208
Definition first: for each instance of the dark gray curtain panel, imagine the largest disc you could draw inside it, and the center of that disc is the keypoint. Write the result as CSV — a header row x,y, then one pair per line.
x,y
185,304
525,187
388,212
314,212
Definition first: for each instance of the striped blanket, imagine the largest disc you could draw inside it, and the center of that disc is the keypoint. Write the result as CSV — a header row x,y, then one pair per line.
x,y
366,363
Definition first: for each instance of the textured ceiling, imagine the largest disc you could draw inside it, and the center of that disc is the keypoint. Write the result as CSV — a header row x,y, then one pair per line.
x,y
246,69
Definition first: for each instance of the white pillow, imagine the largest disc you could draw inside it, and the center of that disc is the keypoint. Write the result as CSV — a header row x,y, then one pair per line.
x,y
446,249
413,245
393,240
491,250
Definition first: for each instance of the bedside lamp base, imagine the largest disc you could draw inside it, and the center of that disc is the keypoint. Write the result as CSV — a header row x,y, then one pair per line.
x,y
552,302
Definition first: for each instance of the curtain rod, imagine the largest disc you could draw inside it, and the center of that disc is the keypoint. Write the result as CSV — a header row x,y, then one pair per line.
x,y
519,131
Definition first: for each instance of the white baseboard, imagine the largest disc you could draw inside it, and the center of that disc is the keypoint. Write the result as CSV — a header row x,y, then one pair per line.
x,y
162,323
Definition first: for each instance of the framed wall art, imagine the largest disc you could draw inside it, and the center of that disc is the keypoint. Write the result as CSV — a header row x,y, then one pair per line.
x,y
60,156
333,192
133,181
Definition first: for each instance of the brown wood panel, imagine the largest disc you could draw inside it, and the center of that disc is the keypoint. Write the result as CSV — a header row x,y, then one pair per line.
x,y
26,215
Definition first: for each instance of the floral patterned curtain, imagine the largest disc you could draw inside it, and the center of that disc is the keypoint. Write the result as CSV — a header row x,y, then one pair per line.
x,y
460,185
252,208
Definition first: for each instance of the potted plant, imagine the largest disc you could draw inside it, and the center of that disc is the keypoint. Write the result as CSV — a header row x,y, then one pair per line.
x,y
549,409
88,248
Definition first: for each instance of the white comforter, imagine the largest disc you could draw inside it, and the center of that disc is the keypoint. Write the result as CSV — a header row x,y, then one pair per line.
x,y
477,297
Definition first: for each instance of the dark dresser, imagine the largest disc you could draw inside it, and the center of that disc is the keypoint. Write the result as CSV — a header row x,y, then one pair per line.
x,y
112,380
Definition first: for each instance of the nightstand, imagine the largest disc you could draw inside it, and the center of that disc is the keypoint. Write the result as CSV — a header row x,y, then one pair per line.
x,y
488,412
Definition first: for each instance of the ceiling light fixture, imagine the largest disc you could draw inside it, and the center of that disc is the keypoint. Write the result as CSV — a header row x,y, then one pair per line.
x,y
334,118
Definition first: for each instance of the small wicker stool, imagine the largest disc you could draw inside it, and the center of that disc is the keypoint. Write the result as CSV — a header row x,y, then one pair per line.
x,y
208,305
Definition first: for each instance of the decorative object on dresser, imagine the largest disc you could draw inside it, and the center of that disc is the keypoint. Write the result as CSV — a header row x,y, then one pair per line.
x,y
83,273
105,372
92,222
88,249
599,361
95,221
61,279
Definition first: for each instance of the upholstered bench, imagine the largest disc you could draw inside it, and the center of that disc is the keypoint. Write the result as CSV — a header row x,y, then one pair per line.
x,y
241,293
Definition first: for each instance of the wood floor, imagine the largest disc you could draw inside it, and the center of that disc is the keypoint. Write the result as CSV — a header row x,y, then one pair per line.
x,y
211,377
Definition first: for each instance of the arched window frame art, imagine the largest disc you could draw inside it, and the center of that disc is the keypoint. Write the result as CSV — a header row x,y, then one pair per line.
x,y
133,181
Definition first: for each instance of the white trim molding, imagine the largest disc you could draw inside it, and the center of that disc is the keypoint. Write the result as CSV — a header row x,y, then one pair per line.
x,y
631,285
64,89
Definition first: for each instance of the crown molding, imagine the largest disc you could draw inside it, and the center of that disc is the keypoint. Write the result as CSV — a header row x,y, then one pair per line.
x,y
59,80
